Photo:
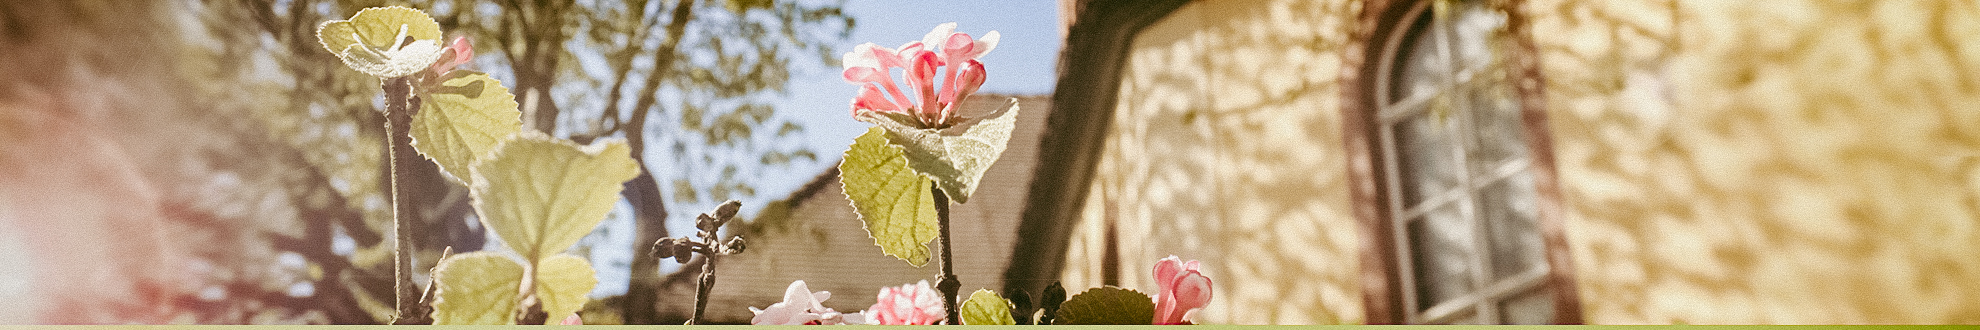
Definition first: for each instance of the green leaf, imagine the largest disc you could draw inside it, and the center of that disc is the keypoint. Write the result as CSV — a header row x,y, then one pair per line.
x,y
1107,305
540,194
563,282
955,157
461,119
373,41
893,201
987,308
477,288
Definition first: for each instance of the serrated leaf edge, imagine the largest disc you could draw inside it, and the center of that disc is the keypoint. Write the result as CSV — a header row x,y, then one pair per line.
x,y
1004,305
963,184
845,189
481,186
1064,307
466,178
347,54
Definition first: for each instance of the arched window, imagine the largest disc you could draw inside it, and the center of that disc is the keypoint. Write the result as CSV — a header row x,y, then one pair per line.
x,y
1460,200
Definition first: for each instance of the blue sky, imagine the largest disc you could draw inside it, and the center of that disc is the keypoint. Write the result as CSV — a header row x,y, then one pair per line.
x,y
1023,63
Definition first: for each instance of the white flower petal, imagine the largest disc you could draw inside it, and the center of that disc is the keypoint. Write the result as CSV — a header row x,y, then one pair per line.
x,y
400,62
984,45
803,318
778,313
798,295
854,318
939,36
861,57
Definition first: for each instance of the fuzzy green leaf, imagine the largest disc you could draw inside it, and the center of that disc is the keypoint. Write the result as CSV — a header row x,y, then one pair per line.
x,y
476,288
893,201
373,41
540,194
987,308
461,119
955,157
562,283
1107,305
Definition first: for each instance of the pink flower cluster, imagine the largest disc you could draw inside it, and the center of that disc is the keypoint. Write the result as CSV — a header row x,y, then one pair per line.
x,y
915,304
1183,289
911,304
871,67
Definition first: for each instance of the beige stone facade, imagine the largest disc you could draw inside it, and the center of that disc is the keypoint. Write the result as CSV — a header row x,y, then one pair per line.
x,y
1800,162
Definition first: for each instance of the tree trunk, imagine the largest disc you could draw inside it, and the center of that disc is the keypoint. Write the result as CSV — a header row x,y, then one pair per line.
x,y
649,207
650,214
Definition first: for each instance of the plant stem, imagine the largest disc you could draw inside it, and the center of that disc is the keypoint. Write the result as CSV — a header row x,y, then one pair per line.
x,y
948,284
701,291
398,124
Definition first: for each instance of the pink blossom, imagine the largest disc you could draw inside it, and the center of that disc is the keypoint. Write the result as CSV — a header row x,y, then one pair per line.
x,y
943,55
915,304
572,320
454,55
801,306
1183,289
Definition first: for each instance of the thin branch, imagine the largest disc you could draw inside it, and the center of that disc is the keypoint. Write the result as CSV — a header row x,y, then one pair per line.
x,y
398,122
949,284
702,289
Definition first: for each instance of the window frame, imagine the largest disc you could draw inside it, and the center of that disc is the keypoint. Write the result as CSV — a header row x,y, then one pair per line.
x,y
1389,297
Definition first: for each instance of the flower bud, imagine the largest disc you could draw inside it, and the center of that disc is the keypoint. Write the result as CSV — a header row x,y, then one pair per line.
x,y
727,210
966,82
957,47
921,80
663,248
1055,295
1021,303
460,52
683,252
705,222
735,245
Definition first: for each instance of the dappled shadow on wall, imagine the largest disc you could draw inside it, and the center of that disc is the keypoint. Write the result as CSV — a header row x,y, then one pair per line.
x,y
1225,148
1805,162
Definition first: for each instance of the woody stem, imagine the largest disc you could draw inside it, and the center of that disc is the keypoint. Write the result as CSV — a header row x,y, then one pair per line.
x,y
398,124
701,290
948,284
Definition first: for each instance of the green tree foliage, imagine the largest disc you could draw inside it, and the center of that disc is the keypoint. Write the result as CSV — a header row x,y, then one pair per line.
x,y
267,57
689,77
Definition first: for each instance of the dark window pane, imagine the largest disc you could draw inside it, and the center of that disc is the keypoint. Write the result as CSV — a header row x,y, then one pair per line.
x,y
1440,251
1508,210
1425,150
1501,136
1418,68
1476,27
1536,307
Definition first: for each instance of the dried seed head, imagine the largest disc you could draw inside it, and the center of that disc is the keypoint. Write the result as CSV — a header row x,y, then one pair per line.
x,y
727,210
705,222
735,245
683,252
663,248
